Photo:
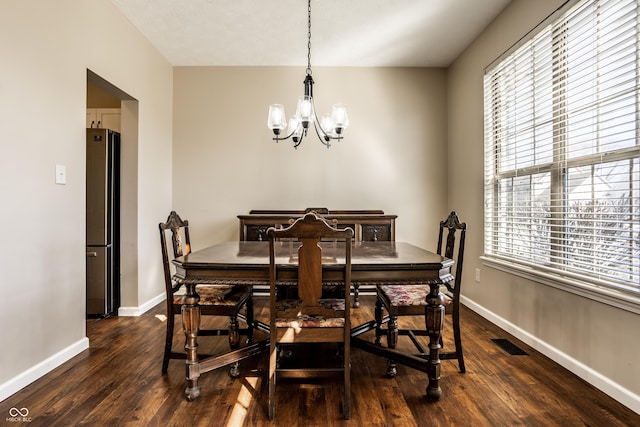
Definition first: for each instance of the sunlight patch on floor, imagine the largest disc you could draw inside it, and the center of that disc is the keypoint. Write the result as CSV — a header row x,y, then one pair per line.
x,y
241,407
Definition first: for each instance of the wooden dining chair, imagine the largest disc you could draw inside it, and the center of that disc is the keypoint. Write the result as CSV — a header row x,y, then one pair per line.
x,y
410,300
215,299
309,318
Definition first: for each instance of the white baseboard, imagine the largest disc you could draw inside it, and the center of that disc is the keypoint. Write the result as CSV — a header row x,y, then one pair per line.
x,y
138,311
22,380
595,378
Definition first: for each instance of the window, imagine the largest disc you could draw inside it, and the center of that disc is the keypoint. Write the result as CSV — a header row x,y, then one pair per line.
x,y
562,150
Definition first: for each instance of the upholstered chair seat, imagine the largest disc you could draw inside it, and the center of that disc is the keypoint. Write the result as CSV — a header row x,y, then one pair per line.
x,y
414,295
227,295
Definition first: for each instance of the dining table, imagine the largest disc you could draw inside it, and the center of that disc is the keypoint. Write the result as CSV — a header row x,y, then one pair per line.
x,y
247,263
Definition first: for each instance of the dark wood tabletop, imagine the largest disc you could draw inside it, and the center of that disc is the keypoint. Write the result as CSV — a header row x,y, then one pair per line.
x,y
371,261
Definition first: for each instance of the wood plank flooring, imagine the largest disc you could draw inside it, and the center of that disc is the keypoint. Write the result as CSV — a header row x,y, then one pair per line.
x,y
117,382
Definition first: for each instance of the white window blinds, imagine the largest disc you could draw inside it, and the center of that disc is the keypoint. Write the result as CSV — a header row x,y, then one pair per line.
x,y
562,132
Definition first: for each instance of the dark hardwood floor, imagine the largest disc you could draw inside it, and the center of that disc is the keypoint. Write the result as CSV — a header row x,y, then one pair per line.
x,y
117,382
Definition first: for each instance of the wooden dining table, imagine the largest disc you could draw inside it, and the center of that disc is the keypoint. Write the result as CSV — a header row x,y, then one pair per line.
x,y
247,263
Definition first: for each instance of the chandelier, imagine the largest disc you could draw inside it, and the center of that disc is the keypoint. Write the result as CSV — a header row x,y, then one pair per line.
x,y
331,126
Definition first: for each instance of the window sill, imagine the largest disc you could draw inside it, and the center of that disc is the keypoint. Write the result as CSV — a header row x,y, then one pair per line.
x,y
613,297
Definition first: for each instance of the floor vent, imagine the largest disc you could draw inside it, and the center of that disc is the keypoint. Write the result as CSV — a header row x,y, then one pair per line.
x,y
509,347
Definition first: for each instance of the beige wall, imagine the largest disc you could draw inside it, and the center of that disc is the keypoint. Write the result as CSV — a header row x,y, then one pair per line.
x,y
46,49
393,156
595,340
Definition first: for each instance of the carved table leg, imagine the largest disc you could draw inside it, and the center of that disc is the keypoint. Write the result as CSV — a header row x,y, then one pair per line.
x,y
434,319
191,326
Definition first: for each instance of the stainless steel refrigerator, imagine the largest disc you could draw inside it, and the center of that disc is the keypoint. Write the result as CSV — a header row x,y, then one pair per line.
x,y
103,222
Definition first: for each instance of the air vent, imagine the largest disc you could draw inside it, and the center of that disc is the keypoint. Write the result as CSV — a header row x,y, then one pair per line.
x,y
509,347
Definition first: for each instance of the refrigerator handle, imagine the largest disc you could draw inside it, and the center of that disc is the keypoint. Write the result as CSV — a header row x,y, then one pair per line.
x,y
92,254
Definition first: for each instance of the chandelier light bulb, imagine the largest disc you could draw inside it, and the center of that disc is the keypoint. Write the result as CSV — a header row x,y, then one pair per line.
x,y
276,120
340,117
295,130
328,125
305,110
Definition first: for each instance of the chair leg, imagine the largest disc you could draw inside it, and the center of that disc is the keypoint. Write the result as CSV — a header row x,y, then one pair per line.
x,y
234,333
458,340
234,342
282,352
392,341
347,383
378,317
234,370
168,343
340,354
356,296
249,317
273,354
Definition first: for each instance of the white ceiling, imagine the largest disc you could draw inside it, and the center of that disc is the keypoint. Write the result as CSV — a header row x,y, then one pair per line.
x,y
367,33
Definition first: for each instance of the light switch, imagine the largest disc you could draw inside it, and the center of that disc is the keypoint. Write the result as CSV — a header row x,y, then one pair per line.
x,y
61,174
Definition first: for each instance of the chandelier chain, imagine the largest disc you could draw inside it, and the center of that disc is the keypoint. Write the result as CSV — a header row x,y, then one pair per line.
x,y
309,39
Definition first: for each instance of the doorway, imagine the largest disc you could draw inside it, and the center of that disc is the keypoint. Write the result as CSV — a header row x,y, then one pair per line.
x,y
109,107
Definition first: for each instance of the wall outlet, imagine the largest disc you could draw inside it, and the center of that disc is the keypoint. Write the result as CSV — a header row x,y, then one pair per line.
x,y
478,275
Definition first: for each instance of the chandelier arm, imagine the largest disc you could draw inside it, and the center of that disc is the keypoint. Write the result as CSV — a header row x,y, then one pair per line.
x,y
282,138
316,125
323,139
295,143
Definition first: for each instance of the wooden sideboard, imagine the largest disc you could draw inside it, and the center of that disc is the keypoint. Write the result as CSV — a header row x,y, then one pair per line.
x,y
368,225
